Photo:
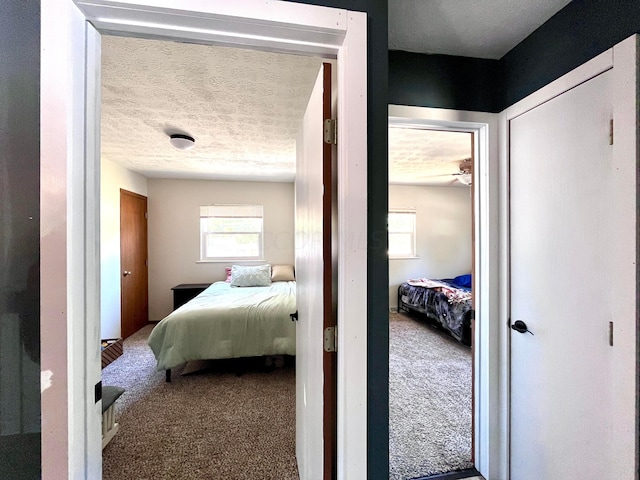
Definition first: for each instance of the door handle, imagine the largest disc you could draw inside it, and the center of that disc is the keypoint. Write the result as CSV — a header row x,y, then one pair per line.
x,y
520,327
126,273
294,316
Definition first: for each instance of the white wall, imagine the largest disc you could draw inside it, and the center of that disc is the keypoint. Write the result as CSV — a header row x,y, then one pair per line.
x,y
443,234
174,231
113,178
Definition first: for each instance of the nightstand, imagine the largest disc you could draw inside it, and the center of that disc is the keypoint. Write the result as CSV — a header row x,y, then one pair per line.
x,y
186,291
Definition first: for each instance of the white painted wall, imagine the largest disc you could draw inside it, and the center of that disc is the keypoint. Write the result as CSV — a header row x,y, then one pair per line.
x,y
113,178
174,231
443,234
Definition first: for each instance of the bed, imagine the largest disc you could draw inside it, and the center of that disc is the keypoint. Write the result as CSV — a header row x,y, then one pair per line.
x,y
226,321
444,302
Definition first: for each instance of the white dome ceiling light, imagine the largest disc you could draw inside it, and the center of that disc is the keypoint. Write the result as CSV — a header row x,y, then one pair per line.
x,y
465,179
181,141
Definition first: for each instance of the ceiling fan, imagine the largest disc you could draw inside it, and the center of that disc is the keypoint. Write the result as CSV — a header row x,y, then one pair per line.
x,y
464,173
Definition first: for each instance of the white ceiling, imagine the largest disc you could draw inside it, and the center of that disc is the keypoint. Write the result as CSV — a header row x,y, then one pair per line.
x,y
469,28
427,157
244,107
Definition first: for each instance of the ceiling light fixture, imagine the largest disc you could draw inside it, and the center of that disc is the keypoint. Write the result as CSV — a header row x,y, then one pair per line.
x,y
182,142
465,178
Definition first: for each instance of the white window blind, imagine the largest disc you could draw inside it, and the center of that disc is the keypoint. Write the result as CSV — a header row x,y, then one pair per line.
x,y
402,233
231,232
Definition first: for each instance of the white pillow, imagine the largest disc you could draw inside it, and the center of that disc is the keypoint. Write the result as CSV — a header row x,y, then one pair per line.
x,y
282,273
251,276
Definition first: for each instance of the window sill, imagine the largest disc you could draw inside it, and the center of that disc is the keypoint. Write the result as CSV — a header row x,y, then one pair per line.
x,y
233,260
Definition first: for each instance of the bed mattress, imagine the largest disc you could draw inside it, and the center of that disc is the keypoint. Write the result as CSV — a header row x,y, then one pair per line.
x,y
228,322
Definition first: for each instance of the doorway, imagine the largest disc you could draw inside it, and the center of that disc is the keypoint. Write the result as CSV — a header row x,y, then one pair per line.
x,y
227,109
172,24
487,449
431,320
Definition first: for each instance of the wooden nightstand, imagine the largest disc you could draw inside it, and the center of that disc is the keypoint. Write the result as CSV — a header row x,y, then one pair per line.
x,y
186,291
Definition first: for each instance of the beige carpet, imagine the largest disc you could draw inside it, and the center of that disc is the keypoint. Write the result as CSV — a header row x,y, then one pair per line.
x,y
211,424
429,401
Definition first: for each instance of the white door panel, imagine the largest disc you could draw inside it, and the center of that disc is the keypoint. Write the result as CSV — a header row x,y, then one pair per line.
x,y
561,229
309,279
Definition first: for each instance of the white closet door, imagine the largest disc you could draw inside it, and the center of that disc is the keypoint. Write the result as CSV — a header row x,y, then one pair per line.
x,y
561,227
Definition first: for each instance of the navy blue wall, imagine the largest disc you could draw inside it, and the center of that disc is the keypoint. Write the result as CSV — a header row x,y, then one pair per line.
x,y
444,81
20,450
377,206
577,33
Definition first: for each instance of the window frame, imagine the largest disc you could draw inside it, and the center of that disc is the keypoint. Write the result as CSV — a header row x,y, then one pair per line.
x,y
228,258
414,234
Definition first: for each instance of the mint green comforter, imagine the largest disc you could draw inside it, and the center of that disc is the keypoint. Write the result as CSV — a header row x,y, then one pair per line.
x,y
228,322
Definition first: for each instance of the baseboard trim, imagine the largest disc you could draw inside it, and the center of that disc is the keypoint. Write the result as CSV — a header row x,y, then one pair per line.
x,y
458,475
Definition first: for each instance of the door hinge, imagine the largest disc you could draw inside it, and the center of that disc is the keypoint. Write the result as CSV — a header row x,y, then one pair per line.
x,y
331,131
146,215
611,334
330,339
611,132
97,392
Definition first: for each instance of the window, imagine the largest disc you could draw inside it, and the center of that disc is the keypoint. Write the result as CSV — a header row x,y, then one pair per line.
x,y
231,232
402,233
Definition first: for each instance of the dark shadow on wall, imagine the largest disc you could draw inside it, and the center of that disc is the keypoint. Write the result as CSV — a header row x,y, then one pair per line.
x,y
20,440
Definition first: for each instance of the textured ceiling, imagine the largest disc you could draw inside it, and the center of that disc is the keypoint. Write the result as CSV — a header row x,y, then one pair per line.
x,y
469,28
426,157
243,107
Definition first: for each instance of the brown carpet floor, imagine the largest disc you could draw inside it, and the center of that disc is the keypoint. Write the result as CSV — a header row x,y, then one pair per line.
x,y
429,400
211,424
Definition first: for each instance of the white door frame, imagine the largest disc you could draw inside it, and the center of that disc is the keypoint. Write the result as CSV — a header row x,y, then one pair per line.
x,y
69,197
622,58
490,449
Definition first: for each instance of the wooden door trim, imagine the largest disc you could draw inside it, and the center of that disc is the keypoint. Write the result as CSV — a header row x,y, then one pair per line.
x,y
330,287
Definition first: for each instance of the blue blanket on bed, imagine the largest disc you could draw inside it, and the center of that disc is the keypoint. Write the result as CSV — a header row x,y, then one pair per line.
x,y
461,281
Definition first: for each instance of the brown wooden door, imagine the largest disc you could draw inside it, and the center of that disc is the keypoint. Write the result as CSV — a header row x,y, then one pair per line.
x,y
330,282
133,263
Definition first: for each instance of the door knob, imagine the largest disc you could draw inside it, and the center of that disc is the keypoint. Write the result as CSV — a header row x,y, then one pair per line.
x,y
520,327
294,316
125,273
